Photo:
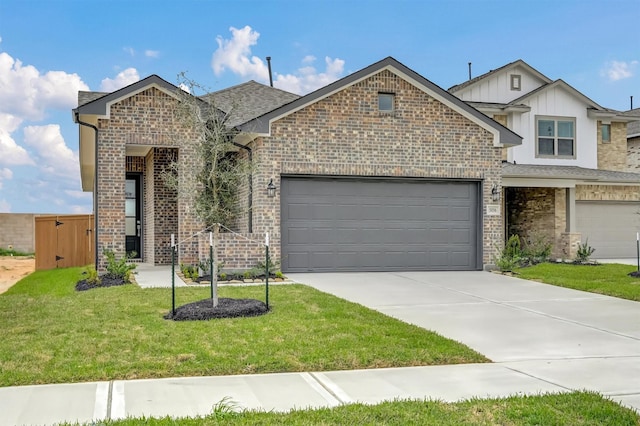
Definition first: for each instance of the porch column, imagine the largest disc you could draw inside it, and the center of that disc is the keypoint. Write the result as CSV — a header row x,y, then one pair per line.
x,y
571,209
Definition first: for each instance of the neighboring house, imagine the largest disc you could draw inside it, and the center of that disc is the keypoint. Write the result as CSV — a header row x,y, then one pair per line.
x,y
633,141
568,181
381,170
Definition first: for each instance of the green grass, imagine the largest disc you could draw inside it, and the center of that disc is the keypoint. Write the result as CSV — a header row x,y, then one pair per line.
x,y
610,279
53,334
573,409
7,252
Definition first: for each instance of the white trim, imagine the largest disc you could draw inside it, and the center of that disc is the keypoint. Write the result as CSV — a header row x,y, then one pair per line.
x,y
536,182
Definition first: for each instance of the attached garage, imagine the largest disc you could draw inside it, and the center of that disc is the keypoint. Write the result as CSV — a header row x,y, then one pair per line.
x,y
358,224
610,227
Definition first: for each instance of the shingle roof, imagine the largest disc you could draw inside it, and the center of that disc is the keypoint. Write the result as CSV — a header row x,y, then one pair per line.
x,y
248,100
567,172
86,97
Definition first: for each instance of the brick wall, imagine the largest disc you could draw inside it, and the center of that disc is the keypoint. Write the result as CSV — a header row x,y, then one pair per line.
x,y
146,119
532,214
613,155
633,155
607,193
18,230
345,134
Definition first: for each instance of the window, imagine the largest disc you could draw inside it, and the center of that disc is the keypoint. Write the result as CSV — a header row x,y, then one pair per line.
x,y
385,102
556,137
515,81
605,131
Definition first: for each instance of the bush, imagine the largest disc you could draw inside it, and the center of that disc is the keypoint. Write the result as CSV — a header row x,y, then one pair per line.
x,y
584,252
537,249
510,256
119,268
189,271
92,277
274,265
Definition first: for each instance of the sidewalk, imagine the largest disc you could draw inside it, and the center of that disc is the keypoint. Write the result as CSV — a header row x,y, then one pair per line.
x,y
179,397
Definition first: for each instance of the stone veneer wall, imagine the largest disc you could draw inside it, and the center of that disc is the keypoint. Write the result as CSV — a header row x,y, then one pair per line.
x,y
613,155
345,134
145,119
633,155
532,214
607,193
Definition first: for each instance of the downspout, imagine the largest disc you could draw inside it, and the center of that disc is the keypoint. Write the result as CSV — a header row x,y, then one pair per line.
x,y
250,153
95,188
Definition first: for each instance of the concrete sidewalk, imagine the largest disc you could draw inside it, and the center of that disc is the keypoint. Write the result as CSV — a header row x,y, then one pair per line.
x,y
150,276
179,397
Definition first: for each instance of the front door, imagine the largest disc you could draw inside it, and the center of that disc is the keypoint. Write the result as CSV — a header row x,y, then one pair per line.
x,y
132,213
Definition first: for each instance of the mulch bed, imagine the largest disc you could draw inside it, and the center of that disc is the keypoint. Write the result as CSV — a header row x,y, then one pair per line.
x,y
227,308
635,274
106,280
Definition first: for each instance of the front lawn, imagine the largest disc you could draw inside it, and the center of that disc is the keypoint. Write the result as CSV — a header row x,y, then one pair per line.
x,y
607,278
572,409
53,334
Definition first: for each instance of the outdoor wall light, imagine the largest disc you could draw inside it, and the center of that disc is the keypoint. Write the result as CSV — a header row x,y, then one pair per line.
x,y
495,194
271,189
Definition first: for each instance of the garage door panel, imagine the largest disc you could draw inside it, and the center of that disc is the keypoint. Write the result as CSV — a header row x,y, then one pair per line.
x,y
376,225
610,227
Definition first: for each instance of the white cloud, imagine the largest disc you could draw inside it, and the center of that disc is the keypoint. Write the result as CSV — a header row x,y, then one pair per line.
x,y
26,93
12,154
308,79
185,87
619,70
235,55
5,207
54,157
77,194
5,174
124,78
129,50
75,209
151,53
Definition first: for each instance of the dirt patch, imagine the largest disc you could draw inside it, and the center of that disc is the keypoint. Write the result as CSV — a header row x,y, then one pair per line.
x,y
13,269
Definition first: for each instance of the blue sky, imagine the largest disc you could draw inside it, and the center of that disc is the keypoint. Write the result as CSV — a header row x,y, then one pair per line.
x,y
51,49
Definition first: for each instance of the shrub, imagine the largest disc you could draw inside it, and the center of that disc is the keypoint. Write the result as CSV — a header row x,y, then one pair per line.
x,y
119,268
274,265
584,252
537,249
222,276
189,271
92,277
279,274
510,256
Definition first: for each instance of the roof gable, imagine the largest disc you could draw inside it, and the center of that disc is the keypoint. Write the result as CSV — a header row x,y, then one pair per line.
x,y
502,135
503,69
567,88
100,106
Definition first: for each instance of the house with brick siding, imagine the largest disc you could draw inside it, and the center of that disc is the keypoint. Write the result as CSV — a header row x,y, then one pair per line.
x,y
379,171
571,180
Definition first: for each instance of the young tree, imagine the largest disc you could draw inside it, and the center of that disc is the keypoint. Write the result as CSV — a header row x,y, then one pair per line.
x,y
220,172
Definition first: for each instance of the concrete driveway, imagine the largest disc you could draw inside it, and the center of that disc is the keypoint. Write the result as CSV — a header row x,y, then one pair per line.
x,y
569,338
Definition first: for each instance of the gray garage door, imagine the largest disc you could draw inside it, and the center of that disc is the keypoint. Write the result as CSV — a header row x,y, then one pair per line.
x,y
379,225
610,227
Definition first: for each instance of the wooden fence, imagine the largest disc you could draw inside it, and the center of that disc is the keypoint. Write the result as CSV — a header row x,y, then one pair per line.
x,y
64,241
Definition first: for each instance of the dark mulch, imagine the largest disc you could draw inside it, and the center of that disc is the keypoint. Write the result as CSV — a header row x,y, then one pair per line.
x,y
106,280
635,274
227,308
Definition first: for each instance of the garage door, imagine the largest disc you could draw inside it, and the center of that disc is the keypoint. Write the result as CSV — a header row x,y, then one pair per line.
x,y
379,225
610,227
